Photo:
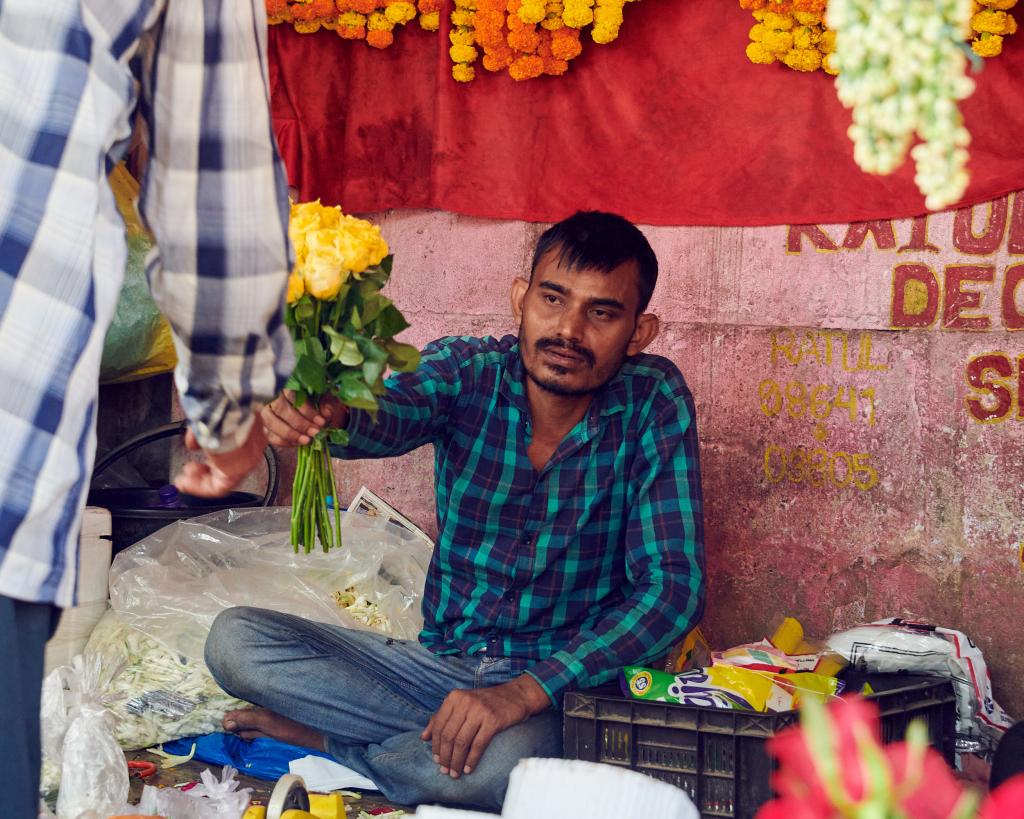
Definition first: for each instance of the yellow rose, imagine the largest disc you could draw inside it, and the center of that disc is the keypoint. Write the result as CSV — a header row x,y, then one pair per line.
x,y
324,270
296,287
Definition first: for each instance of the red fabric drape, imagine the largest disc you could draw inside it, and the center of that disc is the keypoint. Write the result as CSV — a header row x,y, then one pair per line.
x,y
668,125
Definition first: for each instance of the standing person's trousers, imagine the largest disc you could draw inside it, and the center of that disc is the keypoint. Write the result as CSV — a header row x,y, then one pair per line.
x,y
24,630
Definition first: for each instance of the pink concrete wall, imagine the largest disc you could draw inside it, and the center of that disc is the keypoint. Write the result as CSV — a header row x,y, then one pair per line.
x,y
845,475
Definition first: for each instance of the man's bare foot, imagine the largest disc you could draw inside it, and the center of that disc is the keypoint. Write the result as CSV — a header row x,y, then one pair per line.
x,y
250,723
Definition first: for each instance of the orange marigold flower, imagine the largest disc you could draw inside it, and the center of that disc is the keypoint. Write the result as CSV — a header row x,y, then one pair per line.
x,y
752,5
352,32
555,67
303,12
381,38
364,6
525,39
566,46
428,6
275,8
324,8
526,67
497,60
343,6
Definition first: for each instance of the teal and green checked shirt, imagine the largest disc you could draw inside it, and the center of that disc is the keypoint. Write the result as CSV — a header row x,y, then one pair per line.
x,y
592,563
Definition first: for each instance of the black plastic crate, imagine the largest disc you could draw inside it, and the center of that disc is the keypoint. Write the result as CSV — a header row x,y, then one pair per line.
x,y
719,757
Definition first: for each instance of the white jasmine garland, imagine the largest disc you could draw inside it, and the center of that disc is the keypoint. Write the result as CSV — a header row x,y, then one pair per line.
x,y
902,69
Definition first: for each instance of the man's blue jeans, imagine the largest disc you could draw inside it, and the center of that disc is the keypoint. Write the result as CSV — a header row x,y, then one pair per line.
x,y
371,696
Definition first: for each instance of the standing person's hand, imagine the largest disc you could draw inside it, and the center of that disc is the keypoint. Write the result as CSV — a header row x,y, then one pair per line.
x,y
288,425
221,471
469,719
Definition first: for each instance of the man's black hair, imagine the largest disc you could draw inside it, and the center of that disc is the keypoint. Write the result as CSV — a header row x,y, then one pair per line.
x,y
593,240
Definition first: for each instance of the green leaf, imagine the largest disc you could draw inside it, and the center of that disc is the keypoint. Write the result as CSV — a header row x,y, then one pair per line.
x,y
353,391
354,319
339,437
378,387
311,374
372,307
387,263
402,357
389,323
344,349
375,358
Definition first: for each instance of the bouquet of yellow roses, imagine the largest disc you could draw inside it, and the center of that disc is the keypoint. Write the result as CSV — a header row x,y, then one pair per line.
x,y
344,332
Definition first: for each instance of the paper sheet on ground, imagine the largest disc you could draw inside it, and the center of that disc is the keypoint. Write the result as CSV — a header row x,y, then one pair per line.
x,y
324,775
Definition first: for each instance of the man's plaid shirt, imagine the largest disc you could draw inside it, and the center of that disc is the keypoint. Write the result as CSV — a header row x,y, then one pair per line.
x,y
592,563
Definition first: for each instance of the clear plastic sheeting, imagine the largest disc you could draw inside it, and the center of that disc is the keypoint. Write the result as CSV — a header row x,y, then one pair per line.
x,y
172,584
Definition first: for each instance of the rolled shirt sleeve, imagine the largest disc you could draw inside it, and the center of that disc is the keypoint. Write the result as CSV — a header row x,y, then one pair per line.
x,y
215,197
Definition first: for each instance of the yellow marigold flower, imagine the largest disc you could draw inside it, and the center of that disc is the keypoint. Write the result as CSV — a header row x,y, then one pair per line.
x,y
803,59
997,4
531,11
400,13
994,22
552,22
296,287
352,18
988,45
828,65
757,53
465,4
462,18
378,22
462,54
807,18
778,42
461,38
805,37
604,33
757,32
307,27
773,20
827,43
431,21
463,73
578,13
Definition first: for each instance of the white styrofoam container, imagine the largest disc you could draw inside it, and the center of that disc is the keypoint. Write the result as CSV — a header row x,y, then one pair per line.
x,y
77,623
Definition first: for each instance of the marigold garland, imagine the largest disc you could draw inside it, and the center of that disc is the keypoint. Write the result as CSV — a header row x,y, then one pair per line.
x,y
795,33
527,38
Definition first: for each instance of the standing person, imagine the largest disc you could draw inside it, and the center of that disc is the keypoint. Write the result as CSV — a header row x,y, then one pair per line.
x,y
73,76
570,537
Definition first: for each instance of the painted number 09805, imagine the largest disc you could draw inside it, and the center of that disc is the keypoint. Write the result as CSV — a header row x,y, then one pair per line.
x,y
818,467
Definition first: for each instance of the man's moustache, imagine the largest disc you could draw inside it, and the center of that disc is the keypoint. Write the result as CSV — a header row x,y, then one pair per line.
x,y
557,343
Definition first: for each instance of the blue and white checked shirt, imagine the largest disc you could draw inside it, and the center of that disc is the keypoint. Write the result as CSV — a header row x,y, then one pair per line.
x,y
73,74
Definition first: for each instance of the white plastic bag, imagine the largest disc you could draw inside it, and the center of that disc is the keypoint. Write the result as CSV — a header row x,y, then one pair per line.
x,y
896,645
167,589
212,799
94,772
156,694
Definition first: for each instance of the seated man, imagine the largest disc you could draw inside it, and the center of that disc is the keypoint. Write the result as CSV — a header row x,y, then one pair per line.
x,y
570,537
